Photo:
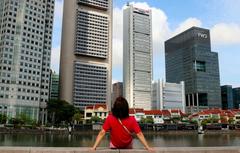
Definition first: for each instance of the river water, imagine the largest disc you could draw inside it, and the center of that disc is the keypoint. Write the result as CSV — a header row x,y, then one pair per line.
x,y
169,139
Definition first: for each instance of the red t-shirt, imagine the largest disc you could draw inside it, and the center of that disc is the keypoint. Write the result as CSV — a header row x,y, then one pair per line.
x,y
118,135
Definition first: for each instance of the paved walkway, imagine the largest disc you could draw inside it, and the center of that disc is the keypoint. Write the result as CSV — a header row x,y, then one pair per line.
x,y
105,150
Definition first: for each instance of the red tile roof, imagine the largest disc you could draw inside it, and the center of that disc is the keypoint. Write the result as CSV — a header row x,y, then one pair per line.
x,y
153,112
175,111
236,111
96,106
203,113
166,113
104,106
135,110
183,114
229,113
89,107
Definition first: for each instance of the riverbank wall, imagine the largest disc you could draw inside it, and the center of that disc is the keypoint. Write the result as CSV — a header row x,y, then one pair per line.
x,y
90,131
106,150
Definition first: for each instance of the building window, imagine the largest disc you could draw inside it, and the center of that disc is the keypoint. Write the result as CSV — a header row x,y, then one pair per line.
x,y
200,66
89,114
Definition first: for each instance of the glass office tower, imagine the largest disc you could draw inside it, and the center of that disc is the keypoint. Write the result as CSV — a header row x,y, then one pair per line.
x,y
227,97
189,58
236,98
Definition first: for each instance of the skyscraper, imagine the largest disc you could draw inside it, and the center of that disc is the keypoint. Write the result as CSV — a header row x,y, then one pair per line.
x,y
227,97
137,57
117,91
86,52
189,58
236,98
25,50
54,86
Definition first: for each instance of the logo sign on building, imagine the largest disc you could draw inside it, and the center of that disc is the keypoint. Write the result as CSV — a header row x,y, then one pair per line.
x,y
141,11
202,35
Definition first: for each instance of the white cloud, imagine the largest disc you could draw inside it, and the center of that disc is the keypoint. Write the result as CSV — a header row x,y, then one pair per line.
x,y
225,34
55,58
115,81
188,23
160,29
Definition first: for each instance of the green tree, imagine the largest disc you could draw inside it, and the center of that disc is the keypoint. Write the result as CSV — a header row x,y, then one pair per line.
x,y
142,120
148,119
193,121
176,119
214,120
3,118
95,119
60,110
17,122
78,118
231,120
205,122
25,119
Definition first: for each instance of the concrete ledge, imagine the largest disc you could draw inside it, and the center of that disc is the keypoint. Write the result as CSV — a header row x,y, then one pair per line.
x,y
106,150
52,150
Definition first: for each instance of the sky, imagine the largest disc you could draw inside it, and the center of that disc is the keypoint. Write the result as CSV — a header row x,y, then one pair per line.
x,y
171,17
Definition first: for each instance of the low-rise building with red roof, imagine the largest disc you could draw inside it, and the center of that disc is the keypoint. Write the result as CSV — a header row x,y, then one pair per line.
x,y
156,115
166,114
99,110
176,113
138,113
223,116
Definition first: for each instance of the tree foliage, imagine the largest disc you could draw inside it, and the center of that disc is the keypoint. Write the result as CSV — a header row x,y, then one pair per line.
x,y
231,120
78,117
205,122
3,118
148,119
23,119
60,110
95,119
17,122
193,121
210,120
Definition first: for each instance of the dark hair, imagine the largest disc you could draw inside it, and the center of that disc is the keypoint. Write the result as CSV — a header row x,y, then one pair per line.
x,y
120,108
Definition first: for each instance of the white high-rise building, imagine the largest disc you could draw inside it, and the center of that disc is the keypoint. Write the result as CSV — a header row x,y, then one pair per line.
x,y
137,57
25,53
168,95
86,52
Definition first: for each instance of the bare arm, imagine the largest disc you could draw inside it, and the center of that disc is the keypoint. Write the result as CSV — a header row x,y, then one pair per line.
x,y
143,141
101,134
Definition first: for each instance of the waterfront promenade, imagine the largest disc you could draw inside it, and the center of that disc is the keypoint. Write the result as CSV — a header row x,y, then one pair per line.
x,y
106,150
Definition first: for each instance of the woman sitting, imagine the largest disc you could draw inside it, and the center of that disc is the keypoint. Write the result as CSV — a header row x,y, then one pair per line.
x,y
121,127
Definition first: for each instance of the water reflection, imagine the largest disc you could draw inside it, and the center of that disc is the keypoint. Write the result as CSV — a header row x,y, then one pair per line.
x,y
154,139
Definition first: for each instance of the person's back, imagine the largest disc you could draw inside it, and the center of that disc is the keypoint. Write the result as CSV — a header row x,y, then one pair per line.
x,y
121,127
119,136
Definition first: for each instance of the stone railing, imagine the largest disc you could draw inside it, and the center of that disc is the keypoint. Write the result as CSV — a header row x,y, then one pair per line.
x,y
102,150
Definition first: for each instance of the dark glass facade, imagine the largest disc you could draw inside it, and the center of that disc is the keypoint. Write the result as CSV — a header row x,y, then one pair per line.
x,y
54,85
227,97
236,97
189,58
